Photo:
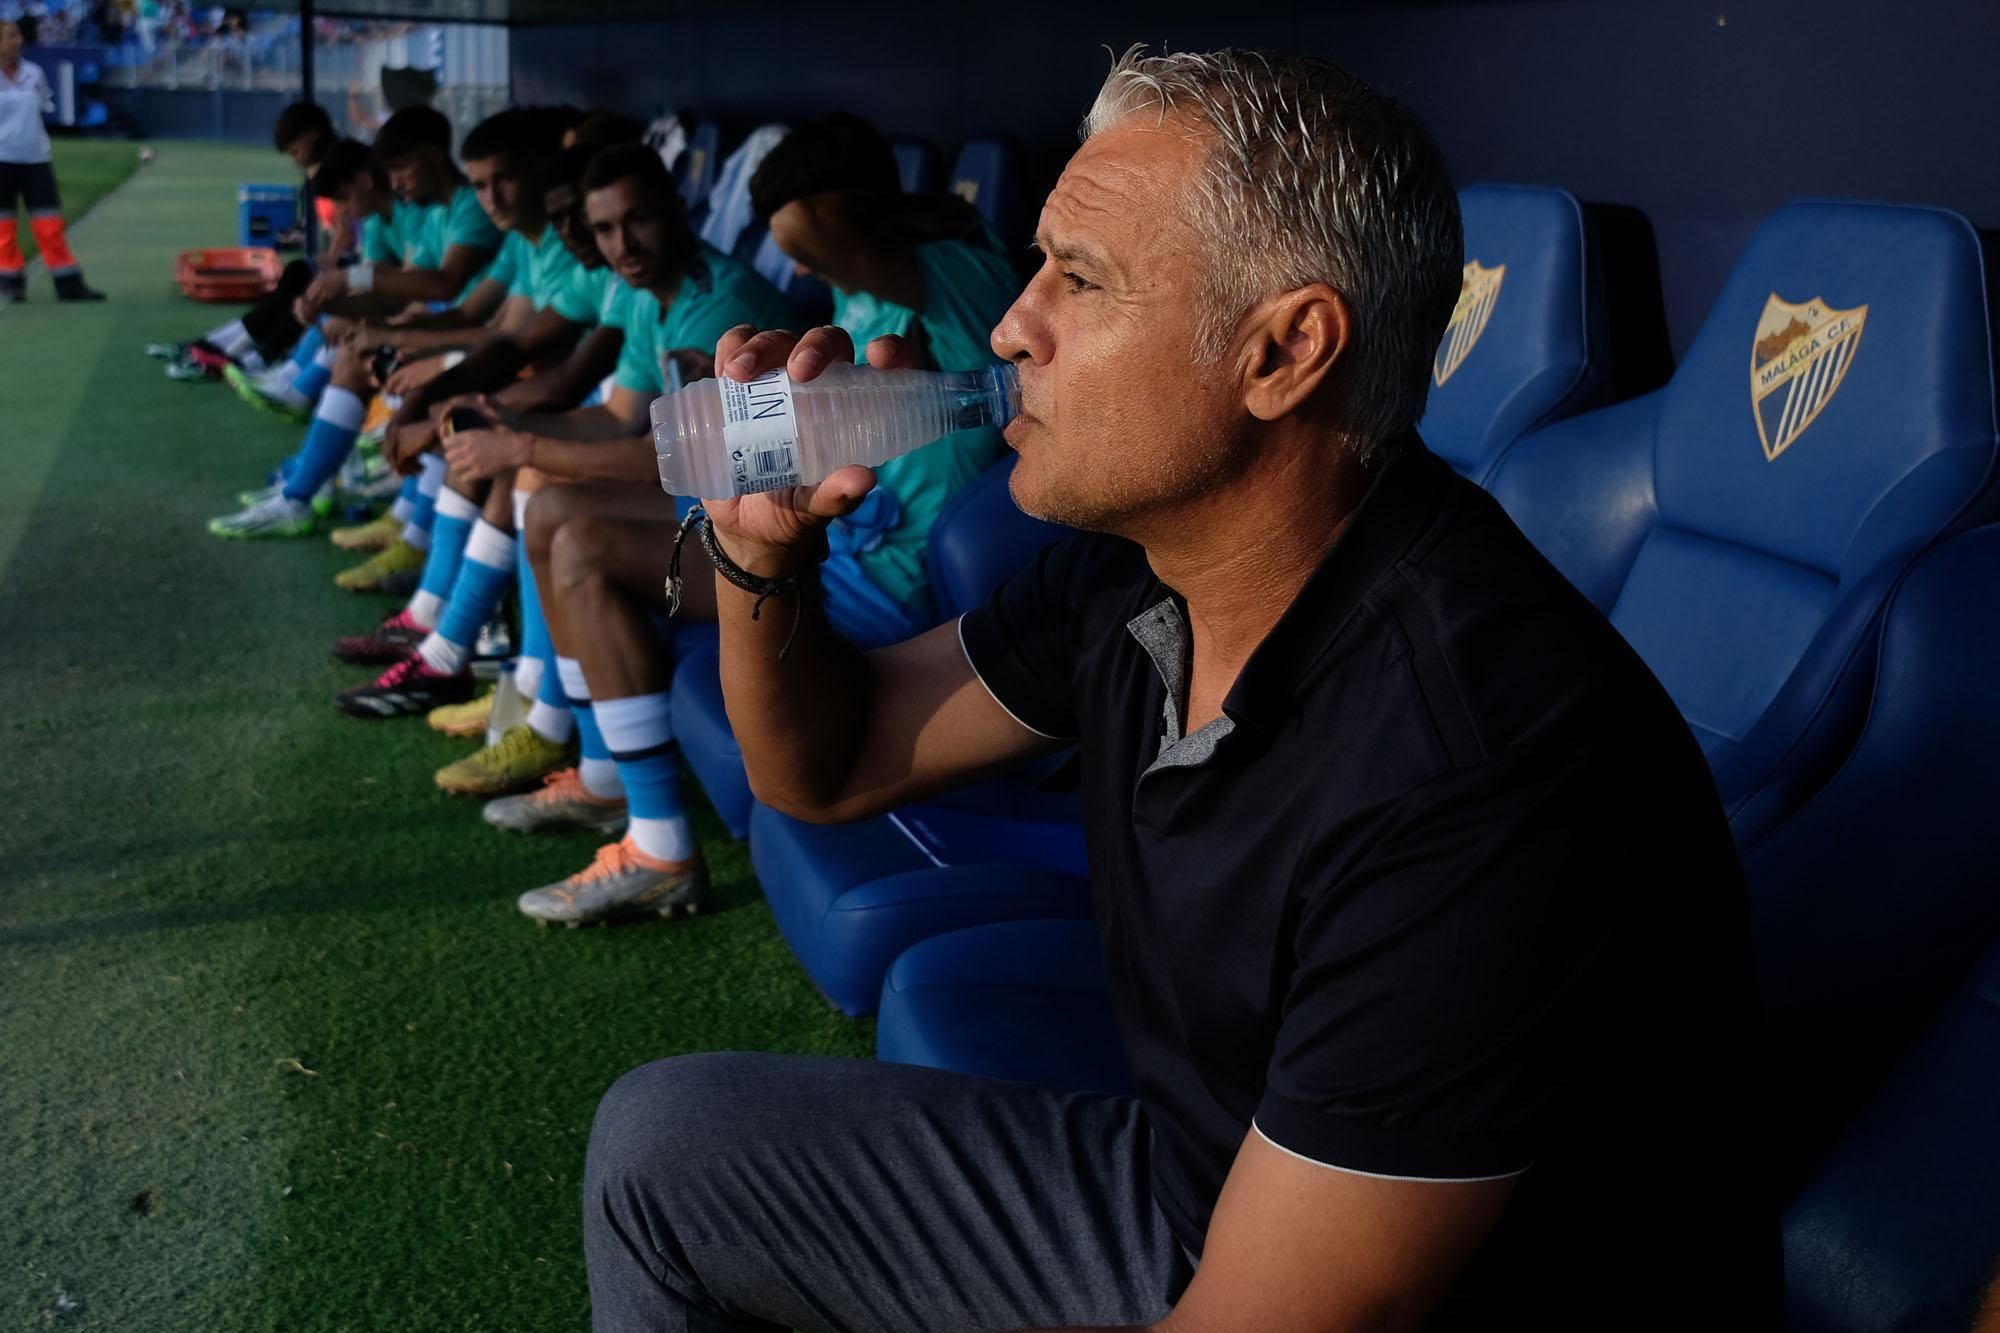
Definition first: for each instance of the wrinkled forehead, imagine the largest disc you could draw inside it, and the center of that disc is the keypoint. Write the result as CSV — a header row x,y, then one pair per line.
x,y
1126,189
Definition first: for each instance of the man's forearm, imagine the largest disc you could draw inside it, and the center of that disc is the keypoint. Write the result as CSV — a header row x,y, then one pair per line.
x,y
629,459
797,722
494,361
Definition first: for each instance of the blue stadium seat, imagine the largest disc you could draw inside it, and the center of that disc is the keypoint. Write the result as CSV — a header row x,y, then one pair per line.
x,y
1020,1000
696,171
1874,898
1742,525
977,540
989,175
919,164
1528,342
1900,1231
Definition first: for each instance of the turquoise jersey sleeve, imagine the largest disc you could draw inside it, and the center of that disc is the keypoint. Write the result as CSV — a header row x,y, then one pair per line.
x,y
967,289
378,243
707,305
550,273
639,360
582,295
734,294
506,268
466,223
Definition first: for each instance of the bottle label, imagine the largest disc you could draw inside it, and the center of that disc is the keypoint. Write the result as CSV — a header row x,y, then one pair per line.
x,y
761,431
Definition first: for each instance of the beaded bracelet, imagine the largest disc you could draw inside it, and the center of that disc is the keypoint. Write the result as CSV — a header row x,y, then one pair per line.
x,y
762,589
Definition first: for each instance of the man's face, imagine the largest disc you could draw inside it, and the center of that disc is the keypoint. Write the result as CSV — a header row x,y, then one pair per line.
x,y
359,197
1116,419
499,189
564,204
11,44
300,151
417,178
630,231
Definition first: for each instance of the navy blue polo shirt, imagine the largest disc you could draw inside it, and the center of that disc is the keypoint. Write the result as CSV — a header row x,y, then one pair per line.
x,y
1445,894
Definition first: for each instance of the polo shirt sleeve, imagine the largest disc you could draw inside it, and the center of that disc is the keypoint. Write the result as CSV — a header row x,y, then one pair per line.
x,y
1452,978
506,266
377,244
1019,644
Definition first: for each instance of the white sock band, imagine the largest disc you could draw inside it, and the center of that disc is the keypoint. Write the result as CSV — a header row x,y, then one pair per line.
x,y
232,337
663,839
528,676
521,499
453,505
430,476
441,654
489,546
570,671
325,357
640,722
551,723
341,407
600,778
416,537
424,608
402,509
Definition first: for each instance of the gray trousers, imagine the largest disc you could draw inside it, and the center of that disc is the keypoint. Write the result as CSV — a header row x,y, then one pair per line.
x,y
740,1193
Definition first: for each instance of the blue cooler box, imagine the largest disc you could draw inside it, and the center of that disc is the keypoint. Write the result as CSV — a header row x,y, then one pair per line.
x,y
266,211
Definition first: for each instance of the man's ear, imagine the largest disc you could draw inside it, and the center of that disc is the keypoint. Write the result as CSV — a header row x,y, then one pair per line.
x,y
1290,345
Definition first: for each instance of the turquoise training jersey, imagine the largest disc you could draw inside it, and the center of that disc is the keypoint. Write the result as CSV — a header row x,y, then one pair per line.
x,y
548,267
592,297
967,288
378,242
716,296
508,266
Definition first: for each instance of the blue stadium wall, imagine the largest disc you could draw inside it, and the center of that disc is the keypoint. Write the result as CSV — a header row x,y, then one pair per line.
x,y
1703,116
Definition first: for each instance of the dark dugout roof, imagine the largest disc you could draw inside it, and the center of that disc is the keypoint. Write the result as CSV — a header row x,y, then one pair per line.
x,y
510,12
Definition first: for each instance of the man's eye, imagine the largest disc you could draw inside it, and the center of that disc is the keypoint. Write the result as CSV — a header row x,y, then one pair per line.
x,y
1077,284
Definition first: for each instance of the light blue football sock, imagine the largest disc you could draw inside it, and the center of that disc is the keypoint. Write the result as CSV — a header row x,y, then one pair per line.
x,y
639,732
328,440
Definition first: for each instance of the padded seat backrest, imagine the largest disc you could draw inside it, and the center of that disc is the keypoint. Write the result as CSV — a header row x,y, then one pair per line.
x,y
1527,343
980,538
1877,895
988,175
919,164
1900,1231
1742,525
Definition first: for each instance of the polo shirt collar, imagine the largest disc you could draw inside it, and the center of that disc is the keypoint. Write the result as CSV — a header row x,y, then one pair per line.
x,y
1395,511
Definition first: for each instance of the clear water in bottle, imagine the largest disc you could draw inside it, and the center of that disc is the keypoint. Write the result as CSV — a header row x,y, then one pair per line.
x,y
717,438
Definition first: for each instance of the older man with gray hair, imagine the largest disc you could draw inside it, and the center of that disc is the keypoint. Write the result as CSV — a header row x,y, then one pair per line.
x,y
1425,934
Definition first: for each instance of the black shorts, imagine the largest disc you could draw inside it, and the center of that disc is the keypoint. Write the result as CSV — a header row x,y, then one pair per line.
x,y
33,183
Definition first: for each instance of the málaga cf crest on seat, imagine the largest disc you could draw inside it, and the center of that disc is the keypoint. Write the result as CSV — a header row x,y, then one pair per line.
x,y
1800,355
1477,292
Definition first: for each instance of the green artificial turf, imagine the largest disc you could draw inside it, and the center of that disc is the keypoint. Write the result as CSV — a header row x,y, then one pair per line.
x,y
86,171
276,1051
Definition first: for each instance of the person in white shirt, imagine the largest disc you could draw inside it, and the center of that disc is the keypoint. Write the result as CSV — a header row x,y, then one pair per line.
x,y
25,172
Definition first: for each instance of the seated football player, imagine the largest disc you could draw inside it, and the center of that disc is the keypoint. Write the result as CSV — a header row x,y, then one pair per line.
x,y
925,268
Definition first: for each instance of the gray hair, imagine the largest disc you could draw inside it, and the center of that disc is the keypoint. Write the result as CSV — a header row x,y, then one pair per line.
x,y
1313,177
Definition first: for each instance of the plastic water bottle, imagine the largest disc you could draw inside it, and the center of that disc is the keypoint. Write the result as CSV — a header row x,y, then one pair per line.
x,y
719,438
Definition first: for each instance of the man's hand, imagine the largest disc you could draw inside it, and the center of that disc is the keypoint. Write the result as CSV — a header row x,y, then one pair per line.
x,y
411,377
694,364
779,532
486,406
328,286
402,446
479,454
